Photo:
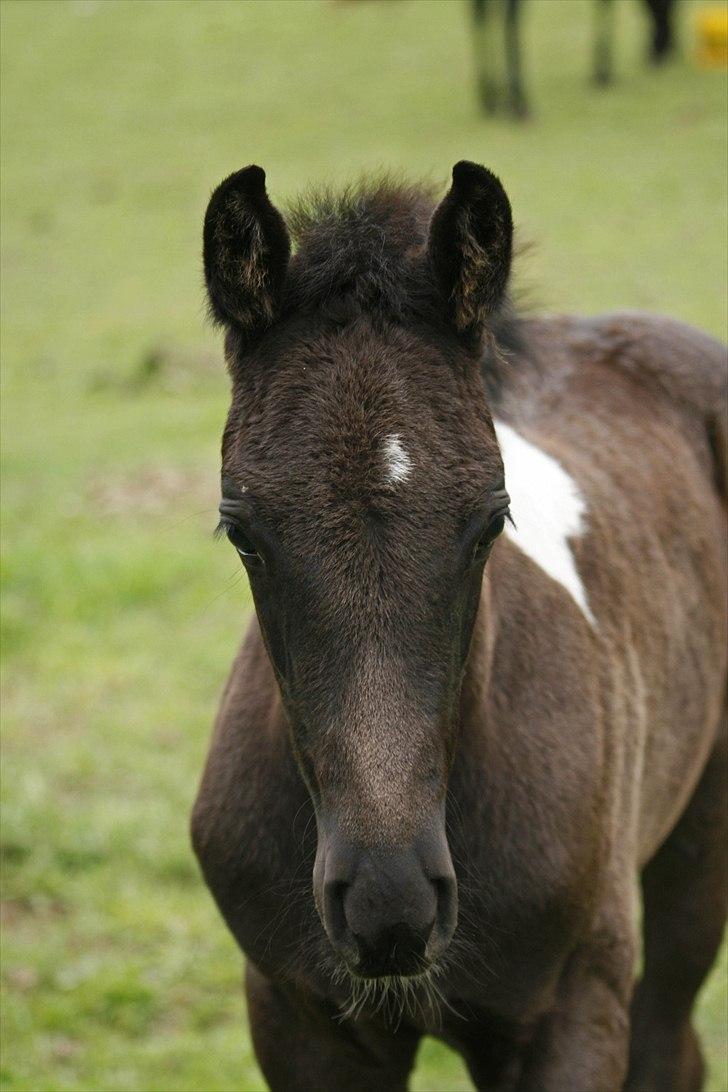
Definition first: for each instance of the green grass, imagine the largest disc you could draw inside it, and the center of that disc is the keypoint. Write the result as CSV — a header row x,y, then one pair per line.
x,y
120,613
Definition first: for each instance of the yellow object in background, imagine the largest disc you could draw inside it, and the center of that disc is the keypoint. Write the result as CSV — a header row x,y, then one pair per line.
x,y
712,35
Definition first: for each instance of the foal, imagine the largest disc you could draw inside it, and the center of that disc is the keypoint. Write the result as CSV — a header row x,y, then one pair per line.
x,y
484,688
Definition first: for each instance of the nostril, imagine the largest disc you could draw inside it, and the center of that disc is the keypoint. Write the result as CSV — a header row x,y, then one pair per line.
x,y
447,905
334,916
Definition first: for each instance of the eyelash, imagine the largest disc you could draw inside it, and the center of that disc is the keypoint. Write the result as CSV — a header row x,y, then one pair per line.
x,y
482,548
228,529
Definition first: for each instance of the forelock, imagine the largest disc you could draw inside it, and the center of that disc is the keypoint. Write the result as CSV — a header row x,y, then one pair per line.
x,y
361,249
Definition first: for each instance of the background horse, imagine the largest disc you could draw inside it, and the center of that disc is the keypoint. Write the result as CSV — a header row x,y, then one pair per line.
x,y
511,95
485,686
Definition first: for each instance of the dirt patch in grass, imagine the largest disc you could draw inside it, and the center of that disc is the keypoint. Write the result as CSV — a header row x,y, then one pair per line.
x,y
16,911
150,490
166,367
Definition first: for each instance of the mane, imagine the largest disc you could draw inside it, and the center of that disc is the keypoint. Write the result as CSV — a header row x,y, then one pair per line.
x,y
362,250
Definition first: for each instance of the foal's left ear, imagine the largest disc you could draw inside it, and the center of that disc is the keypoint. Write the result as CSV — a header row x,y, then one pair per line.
x,y
470,243
246,252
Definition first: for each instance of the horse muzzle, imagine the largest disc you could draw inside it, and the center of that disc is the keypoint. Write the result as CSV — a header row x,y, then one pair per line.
x,y
387,910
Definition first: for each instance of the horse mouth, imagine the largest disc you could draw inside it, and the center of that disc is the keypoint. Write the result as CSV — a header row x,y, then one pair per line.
x,y
395,965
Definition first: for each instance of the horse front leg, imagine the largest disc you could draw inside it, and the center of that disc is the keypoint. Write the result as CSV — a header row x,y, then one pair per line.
x,y
604,43
685,900
584,1042
496,28
662,38
516,93
301,1047
485,42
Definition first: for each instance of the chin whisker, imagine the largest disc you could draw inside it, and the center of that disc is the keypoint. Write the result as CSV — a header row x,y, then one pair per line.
x,y
394,997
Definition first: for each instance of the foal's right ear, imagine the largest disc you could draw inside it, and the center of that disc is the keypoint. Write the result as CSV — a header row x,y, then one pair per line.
x,y
469,248
246,252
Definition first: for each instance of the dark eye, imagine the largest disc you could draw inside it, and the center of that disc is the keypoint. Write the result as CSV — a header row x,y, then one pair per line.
x,y
495,527
240,541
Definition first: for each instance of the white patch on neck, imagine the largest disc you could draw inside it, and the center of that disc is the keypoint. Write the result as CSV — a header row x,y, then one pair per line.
x,y
548,509
397,461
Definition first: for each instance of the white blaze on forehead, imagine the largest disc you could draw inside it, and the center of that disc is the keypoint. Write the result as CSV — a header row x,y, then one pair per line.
x,y
547,508
396,460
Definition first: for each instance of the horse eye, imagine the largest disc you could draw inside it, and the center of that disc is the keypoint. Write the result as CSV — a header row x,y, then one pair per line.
x,y
497,524
242,544
494,528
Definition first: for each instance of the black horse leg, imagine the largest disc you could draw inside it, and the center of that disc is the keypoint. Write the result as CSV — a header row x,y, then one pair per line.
x,y
662,41
516,96
485,41
490,19
603,51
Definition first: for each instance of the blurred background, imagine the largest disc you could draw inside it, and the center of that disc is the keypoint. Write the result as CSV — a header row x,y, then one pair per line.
x,y
121,615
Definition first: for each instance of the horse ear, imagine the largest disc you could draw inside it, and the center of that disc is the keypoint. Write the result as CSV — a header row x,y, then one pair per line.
x,y
246,252
469,247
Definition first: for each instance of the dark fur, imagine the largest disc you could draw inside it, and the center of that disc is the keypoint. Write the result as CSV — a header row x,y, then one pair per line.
x,y
419,716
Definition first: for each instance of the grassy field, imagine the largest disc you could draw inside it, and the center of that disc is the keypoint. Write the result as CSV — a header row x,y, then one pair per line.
x,y
120,613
